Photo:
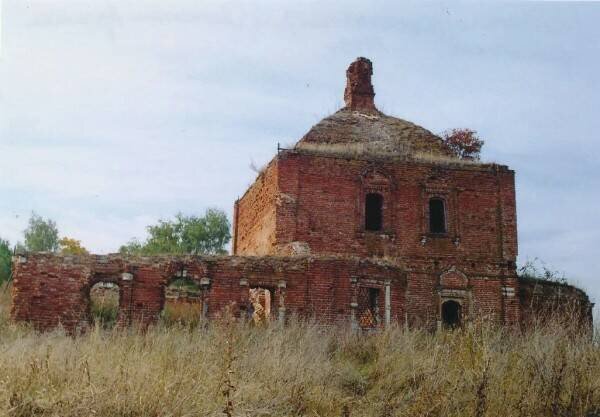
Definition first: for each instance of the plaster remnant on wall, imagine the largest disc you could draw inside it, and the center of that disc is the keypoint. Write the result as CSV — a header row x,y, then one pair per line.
x,y
285,198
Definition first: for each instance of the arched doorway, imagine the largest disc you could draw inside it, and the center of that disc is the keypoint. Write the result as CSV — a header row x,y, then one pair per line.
x,y
451,314
104,299
182,302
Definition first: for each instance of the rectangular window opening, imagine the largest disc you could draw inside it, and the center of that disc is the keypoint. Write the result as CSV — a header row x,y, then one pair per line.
x,y
368,307
437,216
373,212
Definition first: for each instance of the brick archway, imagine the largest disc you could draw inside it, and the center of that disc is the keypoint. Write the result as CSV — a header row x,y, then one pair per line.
x,y
104,297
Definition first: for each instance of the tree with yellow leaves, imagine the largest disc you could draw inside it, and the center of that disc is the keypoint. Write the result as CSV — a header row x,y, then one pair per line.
x,y
70,246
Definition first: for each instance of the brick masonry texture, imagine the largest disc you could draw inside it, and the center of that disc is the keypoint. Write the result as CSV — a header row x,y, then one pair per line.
x,y
300,232
51,290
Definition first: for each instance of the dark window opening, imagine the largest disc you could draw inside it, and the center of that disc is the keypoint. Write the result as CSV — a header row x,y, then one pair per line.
x,y
368,307
373,211
437,216
451,314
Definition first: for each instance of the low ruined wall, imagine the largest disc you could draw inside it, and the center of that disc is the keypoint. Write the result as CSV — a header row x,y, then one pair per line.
x,y
51,290
542,300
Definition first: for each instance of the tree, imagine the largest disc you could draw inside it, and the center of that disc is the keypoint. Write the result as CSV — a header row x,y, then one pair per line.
x,y
133,247
185,235
208,234
70,246
5,261
41,235
464,143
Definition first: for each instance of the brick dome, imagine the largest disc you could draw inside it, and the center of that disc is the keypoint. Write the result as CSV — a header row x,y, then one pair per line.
x,y
360,128
355,132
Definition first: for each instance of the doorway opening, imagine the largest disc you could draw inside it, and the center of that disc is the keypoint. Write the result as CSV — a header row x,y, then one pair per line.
x,y
183,302
451,314
104,304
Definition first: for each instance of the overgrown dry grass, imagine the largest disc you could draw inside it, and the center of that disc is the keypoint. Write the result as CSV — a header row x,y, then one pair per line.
x,y
227,368
377,151
180,313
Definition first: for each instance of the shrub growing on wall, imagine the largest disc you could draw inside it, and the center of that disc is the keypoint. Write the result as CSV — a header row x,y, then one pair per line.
x,y
464,143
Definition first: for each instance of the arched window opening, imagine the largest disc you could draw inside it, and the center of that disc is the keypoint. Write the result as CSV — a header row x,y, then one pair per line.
x,y
437,216
260,302
183,303
451,314
373,212
104,304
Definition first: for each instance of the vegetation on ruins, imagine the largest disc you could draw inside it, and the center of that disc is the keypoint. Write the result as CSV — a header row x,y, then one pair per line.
x,y
186,314
207,234
182,302
227,367
104,304
536,269
464,143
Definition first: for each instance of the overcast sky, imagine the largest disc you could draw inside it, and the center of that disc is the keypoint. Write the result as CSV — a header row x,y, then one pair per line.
x,y
114,114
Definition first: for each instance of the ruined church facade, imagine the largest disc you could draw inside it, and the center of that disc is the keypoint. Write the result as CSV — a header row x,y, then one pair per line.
x,y
368,220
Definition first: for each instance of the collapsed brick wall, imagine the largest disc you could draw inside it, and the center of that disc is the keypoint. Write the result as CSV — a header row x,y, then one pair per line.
x,y
544,300
51,290
254,215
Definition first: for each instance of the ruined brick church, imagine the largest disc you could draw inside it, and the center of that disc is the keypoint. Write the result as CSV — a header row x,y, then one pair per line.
x,y
368,220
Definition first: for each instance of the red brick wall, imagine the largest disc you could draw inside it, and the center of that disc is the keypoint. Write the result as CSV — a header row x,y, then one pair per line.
x,y
305,203
317,202
49,290
254,215
325,207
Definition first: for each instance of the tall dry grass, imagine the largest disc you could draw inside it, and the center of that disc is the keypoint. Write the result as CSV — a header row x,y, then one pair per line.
x,y
378,150
228,368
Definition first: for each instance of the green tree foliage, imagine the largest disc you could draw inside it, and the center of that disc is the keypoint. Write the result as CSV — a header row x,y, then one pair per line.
x,y
133,247
207,234
41,235
5,260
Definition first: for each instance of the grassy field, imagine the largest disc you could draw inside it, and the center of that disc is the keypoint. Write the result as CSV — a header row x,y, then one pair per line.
x,y
225,368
